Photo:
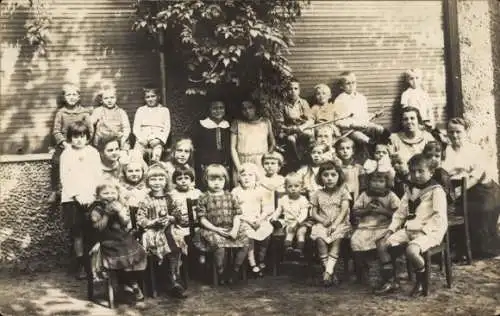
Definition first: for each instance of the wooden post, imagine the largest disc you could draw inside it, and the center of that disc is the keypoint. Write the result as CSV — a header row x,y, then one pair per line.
x,y
454,97
163,71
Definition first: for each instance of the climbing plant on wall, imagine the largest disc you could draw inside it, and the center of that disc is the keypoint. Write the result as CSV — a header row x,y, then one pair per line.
x,y
237,43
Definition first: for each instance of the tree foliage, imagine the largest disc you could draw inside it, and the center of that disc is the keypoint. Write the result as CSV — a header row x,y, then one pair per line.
x,y
38,20
236,43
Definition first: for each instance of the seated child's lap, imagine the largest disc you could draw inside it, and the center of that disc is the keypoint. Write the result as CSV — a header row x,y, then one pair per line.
x,y
365,239
418,238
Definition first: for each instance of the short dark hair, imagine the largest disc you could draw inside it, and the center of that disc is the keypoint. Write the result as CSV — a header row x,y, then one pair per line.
x,y
386,175
423,159
181,171
151,87
78,128
433,147
458,121
104,141
412,109
330,165
343,75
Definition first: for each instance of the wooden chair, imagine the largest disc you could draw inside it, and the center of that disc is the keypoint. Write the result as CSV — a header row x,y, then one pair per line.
x,y
444,250
110,282
460,220
152,268
148,278
210,260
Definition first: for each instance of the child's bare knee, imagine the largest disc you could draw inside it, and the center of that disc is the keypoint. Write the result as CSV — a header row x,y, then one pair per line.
x,y
413,251
291,138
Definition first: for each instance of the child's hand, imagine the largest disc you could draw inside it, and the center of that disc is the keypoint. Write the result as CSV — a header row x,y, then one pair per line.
x,y
233,234
327,223
222,232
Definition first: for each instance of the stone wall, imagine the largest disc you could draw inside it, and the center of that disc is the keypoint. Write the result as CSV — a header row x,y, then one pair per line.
x,y
476,35
31,230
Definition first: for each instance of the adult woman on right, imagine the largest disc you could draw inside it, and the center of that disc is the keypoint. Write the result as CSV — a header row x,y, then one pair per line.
x,y
463,158
412,138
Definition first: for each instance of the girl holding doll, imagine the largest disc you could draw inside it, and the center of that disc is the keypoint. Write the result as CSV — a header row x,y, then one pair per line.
x,y
220,218
118,248
330,212
255,215
133,185
251,137
156,216
212,140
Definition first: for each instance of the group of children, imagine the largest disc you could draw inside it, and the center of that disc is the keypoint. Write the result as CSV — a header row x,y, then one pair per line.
x,y
245,191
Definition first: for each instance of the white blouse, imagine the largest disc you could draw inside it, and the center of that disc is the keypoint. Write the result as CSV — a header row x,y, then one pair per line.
x,y
468,160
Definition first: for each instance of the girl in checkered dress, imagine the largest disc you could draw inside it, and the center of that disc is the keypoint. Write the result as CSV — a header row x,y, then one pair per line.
x,y
220,218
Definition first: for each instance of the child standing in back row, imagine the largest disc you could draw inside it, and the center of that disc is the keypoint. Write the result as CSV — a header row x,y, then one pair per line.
x,y
151,125
71,111
415,96
351,102
251,137
109,119
212,140
296,117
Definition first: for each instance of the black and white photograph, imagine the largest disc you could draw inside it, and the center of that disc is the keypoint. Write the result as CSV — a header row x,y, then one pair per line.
x,y
249,157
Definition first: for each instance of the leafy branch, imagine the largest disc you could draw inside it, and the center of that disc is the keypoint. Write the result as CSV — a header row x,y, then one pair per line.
x,y
224,42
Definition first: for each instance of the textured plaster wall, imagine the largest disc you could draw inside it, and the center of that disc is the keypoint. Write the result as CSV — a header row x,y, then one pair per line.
x,y
31,230
477,65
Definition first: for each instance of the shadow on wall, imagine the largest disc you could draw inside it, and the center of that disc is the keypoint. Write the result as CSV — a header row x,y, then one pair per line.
x,y
90,42
495,45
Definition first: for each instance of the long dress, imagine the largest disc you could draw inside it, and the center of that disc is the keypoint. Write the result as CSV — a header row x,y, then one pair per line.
x,y
220,210
119,249
213,146
483,199
329,205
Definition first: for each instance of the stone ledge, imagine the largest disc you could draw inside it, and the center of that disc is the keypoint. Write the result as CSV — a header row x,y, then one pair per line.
x,y
25,158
